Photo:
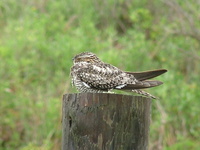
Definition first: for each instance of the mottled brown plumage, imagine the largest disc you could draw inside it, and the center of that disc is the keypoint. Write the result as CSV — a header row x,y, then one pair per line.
x,y
90,74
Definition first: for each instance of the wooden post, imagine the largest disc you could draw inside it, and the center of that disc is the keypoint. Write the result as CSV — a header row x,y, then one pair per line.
x,y
101,121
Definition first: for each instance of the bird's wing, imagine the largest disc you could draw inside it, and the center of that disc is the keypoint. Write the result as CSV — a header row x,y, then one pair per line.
x,y
106,76
141,76
101,76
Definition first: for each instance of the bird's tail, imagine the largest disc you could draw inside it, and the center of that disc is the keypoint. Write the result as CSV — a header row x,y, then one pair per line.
x,y
143,93
141,76
142,85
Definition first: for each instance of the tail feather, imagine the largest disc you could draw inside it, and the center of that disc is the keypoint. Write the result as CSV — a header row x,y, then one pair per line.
x,y
142,85
144,93
141,76
143,82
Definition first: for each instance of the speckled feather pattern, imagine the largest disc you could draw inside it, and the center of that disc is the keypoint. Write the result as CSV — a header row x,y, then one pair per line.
x,y
90,74
99,77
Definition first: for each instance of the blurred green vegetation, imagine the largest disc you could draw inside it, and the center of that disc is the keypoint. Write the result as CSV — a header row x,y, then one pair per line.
x,y
39,38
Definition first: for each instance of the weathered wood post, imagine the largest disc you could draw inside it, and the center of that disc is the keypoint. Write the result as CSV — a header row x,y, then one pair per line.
x,y
101,121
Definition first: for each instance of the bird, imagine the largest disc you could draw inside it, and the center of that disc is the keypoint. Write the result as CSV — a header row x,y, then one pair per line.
x,y
91,75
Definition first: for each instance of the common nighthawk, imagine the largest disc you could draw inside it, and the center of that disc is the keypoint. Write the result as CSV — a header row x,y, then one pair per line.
x,y
90,74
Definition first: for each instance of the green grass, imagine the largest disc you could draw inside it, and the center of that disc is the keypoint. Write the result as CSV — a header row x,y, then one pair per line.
x,y
38,41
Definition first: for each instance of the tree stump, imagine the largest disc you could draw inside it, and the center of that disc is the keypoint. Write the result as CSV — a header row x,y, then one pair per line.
x,y
103,121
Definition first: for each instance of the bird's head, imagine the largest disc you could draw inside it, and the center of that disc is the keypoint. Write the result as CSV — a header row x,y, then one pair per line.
x,y
87,57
